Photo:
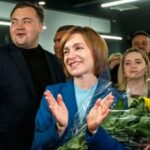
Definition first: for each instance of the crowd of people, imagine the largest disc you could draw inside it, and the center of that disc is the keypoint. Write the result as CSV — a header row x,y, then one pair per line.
x,y
44,96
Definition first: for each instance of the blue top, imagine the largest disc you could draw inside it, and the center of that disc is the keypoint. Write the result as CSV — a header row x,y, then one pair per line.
x,y
46,136
83,98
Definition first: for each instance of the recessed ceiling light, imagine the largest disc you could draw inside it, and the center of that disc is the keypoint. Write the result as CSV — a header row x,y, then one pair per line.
x,y
44,27
124,7
112,37
5,23
42,2
114,3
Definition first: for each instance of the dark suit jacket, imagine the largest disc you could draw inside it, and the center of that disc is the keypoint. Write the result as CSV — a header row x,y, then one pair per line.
x,y
18,102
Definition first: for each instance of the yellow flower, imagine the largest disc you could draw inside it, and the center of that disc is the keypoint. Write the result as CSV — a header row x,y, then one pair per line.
x,y
147,102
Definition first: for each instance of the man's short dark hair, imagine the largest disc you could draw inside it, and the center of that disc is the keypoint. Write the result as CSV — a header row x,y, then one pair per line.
x,y
64,28
140,33
39,11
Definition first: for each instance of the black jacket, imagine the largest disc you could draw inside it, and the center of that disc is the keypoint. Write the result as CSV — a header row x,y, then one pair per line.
x,y
18,101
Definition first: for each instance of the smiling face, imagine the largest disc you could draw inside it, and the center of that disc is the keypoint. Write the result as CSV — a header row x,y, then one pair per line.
x,y
134,65
25,28
78,58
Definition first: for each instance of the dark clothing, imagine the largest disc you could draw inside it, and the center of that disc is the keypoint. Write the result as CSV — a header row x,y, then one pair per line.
x,y
38,68
114,74
19,98
106,74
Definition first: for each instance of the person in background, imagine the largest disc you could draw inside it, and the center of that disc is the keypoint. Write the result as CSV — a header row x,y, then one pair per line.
x,y
114,61
58,36
106,74
141,40
134,78
67,106
134,72
25,70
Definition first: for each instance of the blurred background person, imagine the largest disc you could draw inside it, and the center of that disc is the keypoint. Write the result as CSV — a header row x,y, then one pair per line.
x,y
141,40
58,36
114,62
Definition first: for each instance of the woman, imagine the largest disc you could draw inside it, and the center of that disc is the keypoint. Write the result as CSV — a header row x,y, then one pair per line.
x,y
66,107
133,73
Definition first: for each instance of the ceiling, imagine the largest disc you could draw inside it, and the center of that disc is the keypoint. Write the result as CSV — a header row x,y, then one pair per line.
x,y
129,20
122,22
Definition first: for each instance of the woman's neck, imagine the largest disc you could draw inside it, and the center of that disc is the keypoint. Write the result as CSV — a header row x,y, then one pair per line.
x,y
85,82
136,87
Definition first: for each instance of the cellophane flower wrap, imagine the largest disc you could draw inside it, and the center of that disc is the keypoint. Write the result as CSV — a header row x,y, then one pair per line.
x,y
130,126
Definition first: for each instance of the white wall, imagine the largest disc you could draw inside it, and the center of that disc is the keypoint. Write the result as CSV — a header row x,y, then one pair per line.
x,y
54,19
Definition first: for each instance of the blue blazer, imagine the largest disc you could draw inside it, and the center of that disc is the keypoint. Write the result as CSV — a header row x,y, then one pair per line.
x,y
46,136
18,101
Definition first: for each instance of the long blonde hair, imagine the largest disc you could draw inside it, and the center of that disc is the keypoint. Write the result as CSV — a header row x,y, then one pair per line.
x,y
122,80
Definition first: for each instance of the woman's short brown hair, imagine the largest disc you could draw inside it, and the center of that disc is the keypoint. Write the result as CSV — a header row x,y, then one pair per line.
x,y
96,44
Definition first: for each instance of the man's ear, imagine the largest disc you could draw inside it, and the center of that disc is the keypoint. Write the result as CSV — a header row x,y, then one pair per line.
x,y
41,27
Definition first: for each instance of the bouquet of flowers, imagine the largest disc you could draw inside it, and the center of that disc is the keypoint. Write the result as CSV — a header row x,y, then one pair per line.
x,y
130,127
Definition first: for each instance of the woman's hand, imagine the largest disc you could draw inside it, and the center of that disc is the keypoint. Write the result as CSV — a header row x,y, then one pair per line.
x,y
59,110
98,113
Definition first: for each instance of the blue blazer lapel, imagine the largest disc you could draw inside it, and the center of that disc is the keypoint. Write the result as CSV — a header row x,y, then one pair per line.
x,y
70,101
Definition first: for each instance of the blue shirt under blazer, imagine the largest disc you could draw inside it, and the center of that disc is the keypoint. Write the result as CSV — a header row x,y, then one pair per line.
x,y
46,136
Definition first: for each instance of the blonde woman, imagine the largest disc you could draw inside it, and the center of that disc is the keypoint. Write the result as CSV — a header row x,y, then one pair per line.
x,y
134,73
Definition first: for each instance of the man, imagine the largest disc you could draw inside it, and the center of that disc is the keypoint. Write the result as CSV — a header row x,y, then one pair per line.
x,y
141,40
25,71
58,36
